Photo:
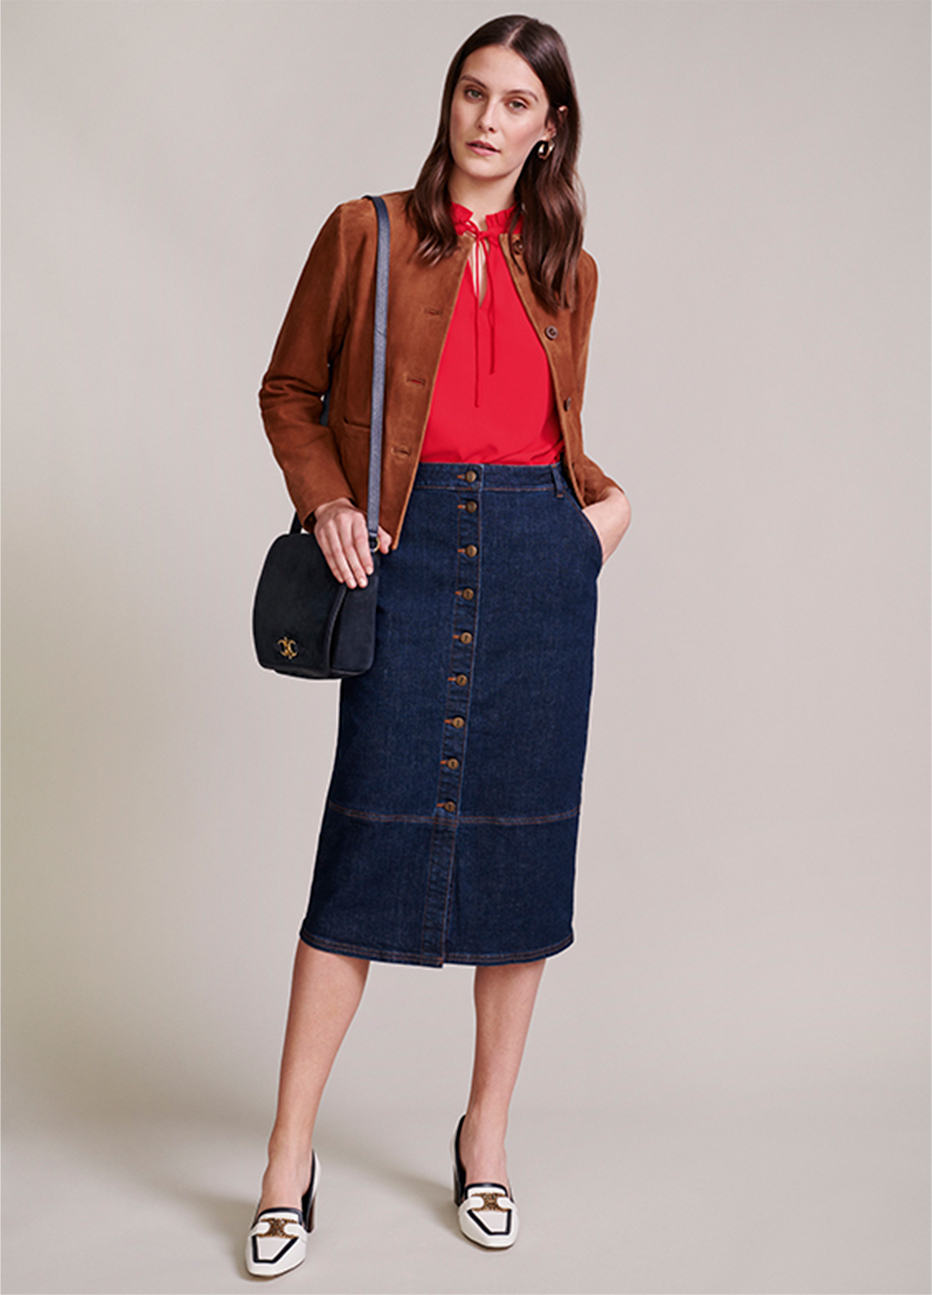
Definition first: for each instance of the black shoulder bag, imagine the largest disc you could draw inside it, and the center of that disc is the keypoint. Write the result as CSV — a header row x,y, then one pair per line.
x,y
305,622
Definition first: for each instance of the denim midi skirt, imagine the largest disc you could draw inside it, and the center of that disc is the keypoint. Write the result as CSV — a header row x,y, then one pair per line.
x,y
449,833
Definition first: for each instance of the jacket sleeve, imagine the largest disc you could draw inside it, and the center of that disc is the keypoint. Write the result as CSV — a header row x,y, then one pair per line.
x,y
593,482
298,377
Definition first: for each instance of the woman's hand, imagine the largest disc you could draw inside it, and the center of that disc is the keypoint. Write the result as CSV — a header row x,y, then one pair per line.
x,y
340,530
611,517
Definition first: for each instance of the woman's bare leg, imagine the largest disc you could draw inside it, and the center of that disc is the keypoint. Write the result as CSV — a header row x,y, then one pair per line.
x,y
325,992
504,1003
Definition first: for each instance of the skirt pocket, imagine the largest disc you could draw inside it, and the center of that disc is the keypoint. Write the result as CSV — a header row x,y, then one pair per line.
x,y
591,534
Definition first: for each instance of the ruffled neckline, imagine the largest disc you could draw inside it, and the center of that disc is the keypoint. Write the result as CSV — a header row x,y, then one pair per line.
x,y
496,223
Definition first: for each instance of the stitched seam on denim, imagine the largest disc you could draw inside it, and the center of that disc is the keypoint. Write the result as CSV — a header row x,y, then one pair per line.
x,y
362,950
449,851
466,520
451,865
576,508
473,959
523,820
476,630
436,824
468,959
518,820
441,768
380,818
519,490
463,520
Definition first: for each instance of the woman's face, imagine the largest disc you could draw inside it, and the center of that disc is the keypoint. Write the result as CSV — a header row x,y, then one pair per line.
x,y
498,114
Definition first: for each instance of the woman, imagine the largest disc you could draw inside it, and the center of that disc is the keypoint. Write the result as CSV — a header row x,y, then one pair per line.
x,y
450,828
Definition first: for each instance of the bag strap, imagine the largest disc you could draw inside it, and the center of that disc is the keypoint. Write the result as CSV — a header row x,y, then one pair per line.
x,y
379,359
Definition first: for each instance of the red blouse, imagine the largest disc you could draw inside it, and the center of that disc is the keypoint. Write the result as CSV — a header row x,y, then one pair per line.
x,y
493,400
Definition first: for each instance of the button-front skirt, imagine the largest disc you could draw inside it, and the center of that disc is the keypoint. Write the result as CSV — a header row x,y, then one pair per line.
x,y
449,833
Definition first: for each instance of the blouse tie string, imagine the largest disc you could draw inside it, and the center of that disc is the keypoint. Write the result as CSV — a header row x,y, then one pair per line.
x,y
483,240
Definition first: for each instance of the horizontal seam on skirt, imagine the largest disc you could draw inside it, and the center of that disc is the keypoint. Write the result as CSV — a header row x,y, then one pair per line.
x,y
519,821
363,951
474,485
469,959
472,958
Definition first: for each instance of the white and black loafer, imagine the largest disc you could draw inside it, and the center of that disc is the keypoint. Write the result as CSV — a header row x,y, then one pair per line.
x,y
487,1214
277,1240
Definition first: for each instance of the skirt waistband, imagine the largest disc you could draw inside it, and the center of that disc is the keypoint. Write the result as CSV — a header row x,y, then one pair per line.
x,y
492,476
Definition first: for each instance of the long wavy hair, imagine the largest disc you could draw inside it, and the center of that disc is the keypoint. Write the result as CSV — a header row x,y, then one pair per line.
x,y
548,193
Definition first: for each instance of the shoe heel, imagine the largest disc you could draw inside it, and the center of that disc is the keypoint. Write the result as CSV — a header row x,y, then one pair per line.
x,y
309,1199
459,1173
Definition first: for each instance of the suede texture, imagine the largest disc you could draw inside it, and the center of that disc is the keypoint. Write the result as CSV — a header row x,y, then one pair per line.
x,y
325,343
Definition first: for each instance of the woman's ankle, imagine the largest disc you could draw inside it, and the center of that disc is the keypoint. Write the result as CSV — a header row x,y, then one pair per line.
x,y
288,1170
482,1147
485,1126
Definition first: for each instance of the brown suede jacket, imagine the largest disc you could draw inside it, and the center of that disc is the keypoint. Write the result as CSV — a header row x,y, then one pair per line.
x,y
326,342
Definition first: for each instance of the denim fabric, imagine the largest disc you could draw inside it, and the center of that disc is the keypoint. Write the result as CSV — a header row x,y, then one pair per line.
x,y
450,828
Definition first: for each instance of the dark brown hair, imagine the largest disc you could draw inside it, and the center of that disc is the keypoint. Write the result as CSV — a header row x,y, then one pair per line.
x,y
547,194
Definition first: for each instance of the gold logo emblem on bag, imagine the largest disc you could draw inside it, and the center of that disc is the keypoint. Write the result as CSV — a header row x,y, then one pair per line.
x,y
288,648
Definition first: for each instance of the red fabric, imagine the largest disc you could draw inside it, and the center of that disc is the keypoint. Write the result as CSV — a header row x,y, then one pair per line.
x,y
493,400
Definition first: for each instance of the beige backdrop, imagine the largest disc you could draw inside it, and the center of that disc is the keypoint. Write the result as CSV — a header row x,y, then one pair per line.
x,y
725,1085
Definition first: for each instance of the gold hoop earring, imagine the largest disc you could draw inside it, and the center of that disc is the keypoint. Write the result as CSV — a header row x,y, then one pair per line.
x,y
544,149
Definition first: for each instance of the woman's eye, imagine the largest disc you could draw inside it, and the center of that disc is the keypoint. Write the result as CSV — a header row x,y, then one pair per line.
x,y
518,103
472,93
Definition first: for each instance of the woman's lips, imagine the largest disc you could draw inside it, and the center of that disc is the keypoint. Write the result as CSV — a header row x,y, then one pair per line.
x,y
485,150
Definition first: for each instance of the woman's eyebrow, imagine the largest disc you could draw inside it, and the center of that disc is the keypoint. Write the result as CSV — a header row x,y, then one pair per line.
x,y
475,80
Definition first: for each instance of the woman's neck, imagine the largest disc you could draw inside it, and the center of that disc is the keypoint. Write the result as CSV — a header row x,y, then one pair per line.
x,y
481,199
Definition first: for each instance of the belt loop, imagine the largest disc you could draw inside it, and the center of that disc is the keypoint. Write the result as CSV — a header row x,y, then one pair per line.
x,y
557,479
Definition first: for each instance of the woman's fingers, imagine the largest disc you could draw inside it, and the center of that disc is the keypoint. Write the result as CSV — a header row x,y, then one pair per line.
x,y
334,555
346,541
341,532
356,548
385,541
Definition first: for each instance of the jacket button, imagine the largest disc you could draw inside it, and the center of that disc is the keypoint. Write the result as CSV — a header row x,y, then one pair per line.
x,y
453,763
471,506
462,680
471,550
468,594
466,637
567,402
471,476
551,332
449,806
458,722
